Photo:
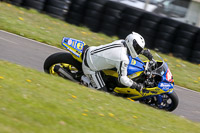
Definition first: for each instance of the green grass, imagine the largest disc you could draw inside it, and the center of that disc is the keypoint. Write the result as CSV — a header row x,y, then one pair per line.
x,y
43,28
34,102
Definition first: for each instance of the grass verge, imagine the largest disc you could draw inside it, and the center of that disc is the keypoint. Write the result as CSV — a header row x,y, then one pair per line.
x,y
43,28
32,101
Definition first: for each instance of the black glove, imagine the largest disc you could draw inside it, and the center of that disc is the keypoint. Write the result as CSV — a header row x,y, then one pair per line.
x,y
147,53
136,86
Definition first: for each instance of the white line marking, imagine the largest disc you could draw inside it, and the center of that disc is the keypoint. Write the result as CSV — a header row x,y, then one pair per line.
x,y
29,39
187,89
7,40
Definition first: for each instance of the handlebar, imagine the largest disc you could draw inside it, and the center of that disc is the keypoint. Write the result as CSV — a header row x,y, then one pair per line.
x,y
147,73
147,65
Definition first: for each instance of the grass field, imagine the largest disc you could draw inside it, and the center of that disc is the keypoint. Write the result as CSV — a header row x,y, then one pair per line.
x,y
34,102
43,28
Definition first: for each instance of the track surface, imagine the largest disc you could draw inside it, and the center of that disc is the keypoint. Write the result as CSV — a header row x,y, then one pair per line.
x,y
32,54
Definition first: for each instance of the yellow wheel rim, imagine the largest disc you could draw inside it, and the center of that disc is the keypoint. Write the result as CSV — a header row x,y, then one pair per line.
x,y
63,65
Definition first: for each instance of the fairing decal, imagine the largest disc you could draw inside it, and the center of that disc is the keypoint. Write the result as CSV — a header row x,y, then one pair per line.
x,y
73,45
135,65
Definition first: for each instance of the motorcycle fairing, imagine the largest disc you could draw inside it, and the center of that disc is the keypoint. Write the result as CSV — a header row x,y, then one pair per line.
x,y
134,69
135,66
167,81
165,86
74,46
134,94
111,72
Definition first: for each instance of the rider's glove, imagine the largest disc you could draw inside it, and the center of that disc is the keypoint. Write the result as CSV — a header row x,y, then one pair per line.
x,y
147,53
136,86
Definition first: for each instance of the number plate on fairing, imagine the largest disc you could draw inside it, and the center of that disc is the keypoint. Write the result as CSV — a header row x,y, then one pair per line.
x,y
73,45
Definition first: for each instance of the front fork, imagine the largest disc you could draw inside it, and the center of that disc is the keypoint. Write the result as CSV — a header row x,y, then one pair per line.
x,y
160,99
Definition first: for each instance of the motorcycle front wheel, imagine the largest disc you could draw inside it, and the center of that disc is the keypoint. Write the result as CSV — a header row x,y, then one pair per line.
x,y
167,102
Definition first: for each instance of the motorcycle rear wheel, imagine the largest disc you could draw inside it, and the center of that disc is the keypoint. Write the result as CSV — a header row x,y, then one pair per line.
x,y
64,60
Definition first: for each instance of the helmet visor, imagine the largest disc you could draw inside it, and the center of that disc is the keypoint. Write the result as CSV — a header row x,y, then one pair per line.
x,y
137,47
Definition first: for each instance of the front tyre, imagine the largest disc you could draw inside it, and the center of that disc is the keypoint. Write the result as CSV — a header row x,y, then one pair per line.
x,y
169,101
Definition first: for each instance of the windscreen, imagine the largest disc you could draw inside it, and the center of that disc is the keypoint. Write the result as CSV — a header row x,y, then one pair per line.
x,y
160,69
161,66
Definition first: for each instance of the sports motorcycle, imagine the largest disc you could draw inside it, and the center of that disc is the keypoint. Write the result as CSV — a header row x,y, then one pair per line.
x,y
156,77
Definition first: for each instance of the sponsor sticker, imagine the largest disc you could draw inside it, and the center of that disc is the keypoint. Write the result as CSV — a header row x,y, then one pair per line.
x,y
165,85
169,76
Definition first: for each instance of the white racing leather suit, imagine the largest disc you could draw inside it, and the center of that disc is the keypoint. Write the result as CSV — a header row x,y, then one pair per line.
x,y
112,55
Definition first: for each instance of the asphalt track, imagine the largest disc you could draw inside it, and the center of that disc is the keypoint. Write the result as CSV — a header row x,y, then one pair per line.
x,y
32,54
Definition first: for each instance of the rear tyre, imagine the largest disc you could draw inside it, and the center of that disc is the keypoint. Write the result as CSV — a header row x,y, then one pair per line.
x,y
64,60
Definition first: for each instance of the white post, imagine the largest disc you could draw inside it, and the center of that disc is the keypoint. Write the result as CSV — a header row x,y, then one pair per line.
x,y
197,5
193,13
198,20
146,4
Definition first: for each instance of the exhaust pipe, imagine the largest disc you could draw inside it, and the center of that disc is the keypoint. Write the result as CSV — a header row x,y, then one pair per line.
x,y
61,72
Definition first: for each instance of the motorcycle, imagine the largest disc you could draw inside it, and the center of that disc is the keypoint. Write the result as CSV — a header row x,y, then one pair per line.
x,y
156,77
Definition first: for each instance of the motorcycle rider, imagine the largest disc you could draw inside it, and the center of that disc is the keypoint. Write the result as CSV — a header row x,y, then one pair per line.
x,y
114,55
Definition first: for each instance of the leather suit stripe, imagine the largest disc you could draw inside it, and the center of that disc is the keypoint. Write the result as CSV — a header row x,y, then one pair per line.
x,y
120,71
99,79
104,48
